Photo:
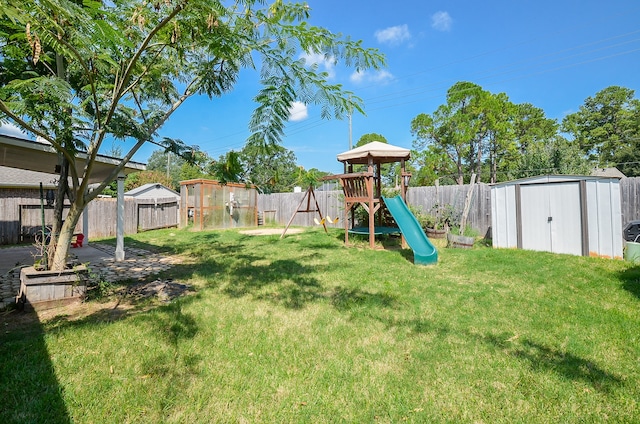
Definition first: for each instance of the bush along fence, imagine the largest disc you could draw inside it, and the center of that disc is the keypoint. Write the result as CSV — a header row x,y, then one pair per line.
x,y
21,215
278,208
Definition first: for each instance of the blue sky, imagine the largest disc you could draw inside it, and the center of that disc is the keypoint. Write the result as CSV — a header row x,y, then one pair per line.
x,y
553,54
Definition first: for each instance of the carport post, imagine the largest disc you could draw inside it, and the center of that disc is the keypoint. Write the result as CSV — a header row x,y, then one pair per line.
x,y
85,224
120,219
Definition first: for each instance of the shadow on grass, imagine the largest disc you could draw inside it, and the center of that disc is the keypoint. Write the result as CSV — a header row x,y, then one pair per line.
x,y
631,280
345,299
545,358
197,240
283,282
177,366
30,391
539,357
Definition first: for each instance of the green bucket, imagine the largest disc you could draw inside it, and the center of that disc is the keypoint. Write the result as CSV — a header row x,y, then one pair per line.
x,y
632,252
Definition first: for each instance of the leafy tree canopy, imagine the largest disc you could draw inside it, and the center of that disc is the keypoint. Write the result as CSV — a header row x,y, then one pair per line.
x,y
368,138
607,129
168,164
82,73
484,133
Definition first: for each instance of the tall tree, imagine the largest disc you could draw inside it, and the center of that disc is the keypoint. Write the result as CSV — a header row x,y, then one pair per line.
x,y
551,156
368,138
272,170
168,164
456,129
130,65
607,129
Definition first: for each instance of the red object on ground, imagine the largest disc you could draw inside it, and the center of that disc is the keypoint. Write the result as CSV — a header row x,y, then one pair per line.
x,y
77,240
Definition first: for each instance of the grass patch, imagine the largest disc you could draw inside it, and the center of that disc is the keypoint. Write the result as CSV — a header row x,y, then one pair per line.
x,y
304,329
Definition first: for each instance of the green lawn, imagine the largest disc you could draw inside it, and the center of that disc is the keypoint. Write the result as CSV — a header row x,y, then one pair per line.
x,y
305,329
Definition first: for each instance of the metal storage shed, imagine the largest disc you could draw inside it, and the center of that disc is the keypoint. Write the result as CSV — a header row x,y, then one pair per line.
x,y
578,215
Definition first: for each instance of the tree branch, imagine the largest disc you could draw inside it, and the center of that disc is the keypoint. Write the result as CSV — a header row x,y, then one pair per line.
x,y
141,49
186,94
28,127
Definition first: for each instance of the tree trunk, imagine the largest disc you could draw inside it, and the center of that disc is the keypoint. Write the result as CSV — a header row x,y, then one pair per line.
x,y
460,177
63,185
66,234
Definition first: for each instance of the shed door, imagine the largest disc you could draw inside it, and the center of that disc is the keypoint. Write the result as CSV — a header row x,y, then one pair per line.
x,y
551,218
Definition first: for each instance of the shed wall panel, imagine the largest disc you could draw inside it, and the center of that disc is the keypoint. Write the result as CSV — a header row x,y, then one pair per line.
x,y
566,222
605,219
551,215
503,217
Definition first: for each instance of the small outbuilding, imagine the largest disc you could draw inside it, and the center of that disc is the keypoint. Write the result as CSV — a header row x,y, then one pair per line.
x,y
157,206
578,215
208,204
153,191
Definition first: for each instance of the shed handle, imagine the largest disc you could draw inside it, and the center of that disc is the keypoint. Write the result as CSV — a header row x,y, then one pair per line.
x,y
636,239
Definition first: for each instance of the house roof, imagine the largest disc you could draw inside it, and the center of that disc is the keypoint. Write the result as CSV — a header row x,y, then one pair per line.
x,y
21,178
607,172
42,157
378,151
151,187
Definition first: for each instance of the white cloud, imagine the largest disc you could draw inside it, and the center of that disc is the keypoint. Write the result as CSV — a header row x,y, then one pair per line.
x,y
378,77
393,35
357,76
441,21
326,64
298,112
9,129
382,76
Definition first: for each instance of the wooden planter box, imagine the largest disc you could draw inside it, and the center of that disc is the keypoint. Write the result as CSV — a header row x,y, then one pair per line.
x,y
432,233
49,289
460,242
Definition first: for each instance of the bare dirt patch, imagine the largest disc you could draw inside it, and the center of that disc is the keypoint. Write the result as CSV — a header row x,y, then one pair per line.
x,y
125,301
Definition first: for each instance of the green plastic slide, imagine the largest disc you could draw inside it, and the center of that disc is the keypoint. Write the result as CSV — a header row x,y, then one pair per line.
x,y
424,253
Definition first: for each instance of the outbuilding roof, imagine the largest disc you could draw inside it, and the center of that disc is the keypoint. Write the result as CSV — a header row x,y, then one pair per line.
x,y
151,188
544,179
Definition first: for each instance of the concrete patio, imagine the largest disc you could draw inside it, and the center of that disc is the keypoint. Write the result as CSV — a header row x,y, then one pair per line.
x,y
138,265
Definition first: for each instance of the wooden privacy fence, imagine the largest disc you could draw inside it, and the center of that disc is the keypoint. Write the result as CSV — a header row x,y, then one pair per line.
x,y
139,215
281,206
630,199
427,198
21,216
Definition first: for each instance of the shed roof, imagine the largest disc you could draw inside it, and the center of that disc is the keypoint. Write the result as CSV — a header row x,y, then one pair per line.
x,y
151,187
543,179
378,151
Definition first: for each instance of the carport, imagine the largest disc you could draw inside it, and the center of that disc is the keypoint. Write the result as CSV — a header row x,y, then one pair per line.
x,y
42,157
